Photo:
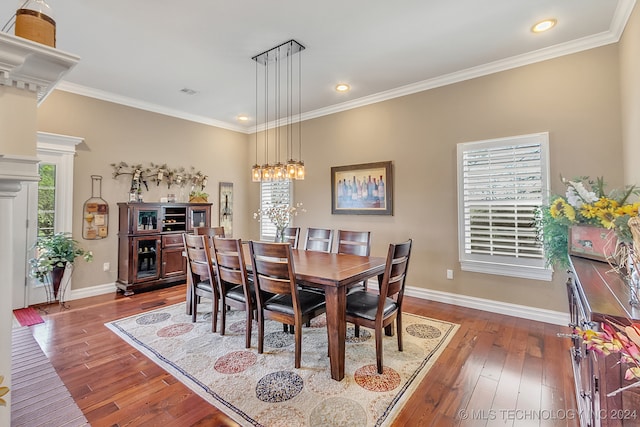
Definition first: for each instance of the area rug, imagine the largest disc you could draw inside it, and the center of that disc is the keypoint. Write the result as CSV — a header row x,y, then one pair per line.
x,y
28,316
38,395
265,389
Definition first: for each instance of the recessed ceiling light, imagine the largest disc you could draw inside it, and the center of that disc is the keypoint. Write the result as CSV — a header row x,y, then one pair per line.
x,y
242,118
343,87
545,25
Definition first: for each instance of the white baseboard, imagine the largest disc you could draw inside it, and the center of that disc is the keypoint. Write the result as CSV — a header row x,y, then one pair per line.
x,y
91,291
508,309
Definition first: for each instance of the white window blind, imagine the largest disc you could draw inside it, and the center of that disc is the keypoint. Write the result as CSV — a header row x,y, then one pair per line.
x,y
501,182
271,193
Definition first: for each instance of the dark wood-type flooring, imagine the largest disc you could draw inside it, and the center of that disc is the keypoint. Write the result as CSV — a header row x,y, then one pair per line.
x,y
498,370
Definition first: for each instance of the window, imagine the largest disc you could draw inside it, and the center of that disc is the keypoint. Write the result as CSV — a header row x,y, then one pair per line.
x,y
271,193
501,182
47,200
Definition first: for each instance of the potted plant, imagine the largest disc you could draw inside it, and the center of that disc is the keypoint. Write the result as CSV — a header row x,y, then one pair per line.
x,y
196,196
53,253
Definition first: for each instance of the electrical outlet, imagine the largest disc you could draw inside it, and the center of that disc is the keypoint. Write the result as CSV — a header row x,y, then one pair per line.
x,y
449,274
106,266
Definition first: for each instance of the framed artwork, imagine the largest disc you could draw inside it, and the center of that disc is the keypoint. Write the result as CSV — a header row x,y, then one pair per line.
x,y
591,242
365,189
226,208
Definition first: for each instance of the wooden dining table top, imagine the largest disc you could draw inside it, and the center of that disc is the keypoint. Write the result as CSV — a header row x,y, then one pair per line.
x,y
330,269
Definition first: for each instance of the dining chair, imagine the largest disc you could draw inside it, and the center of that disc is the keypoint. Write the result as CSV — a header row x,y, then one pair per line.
x,y
319,239
202,276
201,231
379,311
234,286
209,231
291,235
274,273
355,243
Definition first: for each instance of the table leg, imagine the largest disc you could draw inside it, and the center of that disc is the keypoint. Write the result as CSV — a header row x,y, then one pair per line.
x,y
336,299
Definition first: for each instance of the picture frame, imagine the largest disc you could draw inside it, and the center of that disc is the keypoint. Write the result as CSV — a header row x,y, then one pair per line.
x,y
592,242
226,208
356,189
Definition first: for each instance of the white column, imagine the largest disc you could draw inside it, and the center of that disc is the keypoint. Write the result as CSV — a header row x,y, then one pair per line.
x,y
14,170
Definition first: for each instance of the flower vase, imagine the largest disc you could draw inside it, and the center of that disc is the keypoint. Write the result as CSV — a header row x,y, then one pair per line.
x,y
279,235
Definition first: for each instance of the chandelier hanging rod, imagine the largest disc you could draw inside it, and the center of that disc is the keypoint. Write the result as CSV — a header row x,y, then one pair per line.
x,y
270,55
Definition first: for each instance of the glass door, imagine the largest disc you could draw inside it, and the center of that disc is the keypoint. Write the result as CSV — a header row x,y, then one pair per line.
x,y
198,217
146,220
145,258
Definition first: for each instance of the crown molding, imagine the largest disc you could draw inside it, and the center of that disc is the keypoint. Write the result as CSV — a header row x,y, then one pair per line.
x,y
146,106
612,35
32,66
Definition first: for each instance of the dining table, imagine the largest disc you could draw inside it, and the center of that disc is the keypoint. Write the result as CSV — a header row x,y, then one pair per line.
x,y
333,273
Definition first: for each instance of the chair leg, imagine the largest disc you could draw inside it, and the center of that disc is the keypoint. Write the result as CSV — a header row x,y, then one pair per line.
x,y
357,330
364,285
298,339
379,349
224,316
260,332
247,331
285,327
214,313
194,304
399,331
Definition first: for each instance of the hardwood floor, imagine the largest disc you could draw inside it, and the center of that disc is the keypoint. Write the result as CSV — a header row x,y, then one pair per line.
x,y
498,370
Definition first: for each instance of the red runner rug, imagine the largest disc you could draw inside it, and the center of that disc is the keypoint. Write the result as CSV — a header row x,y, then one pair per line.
x,y
28,316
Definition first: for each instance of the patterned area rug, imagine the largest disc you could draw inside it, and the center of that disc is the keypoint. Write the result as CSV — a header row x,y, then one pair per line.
x,y
266,389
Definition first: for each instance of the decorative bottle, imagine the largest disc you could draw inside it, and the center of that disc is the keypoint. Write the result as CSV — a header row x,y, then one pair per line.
x,y
95,223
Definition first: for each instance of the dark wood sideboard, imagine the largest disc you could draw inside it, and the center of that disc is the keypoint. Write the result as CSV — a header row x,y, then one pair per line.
x,y
150,242
597,293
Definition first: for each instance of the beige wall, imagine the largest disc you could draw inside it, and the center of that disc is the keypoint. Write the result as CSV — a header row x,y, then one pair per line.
x,y
114,133
575,98
630,95
18,125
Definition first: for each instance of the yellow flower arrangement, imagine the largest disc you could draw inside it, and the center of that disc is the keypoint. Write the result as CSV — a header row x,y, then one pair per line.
x,y
585,203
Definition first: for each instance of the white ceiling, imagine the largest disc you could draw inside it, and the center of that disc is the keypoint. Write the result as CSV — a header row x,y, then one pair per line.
x,y
143,53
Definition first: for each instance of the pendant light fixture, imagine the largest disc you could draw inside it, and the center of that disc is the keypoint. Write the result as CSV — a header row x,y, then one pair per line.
x,y
277,131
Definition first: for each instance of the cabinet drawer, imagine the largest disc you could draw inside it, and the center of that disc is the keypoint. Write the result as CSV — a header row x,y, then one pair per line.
x,y
172,240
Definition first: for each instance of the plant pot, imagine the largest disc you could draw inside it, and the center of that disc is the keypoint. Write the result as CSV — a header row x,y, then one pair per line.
x,y
198,200
56,279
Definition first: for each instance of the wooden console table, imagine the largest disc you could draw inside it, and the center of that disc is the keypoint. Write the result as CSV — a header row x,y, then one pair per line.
x,y
595,294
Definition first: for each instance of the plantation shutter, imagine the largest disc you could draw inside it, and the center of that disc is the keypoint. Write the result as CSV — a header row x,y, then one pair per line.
x,y
501,184
271,193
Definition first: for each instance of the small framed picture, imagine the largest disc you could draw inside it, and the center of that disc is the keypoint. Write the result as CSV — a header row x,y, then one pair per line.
x,y
226,208
365,189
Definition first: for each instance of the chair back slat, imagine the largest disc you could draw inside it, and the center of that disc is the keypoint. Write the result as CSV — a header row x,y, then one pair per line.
x,y
209,231
273,269
197,251
319,239
354,242
291,235
394,276
230,264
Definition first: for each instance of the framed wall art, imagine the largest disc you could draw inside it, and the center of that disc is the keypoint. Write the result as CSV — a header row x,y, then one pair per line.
x,y
365,189
226,208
